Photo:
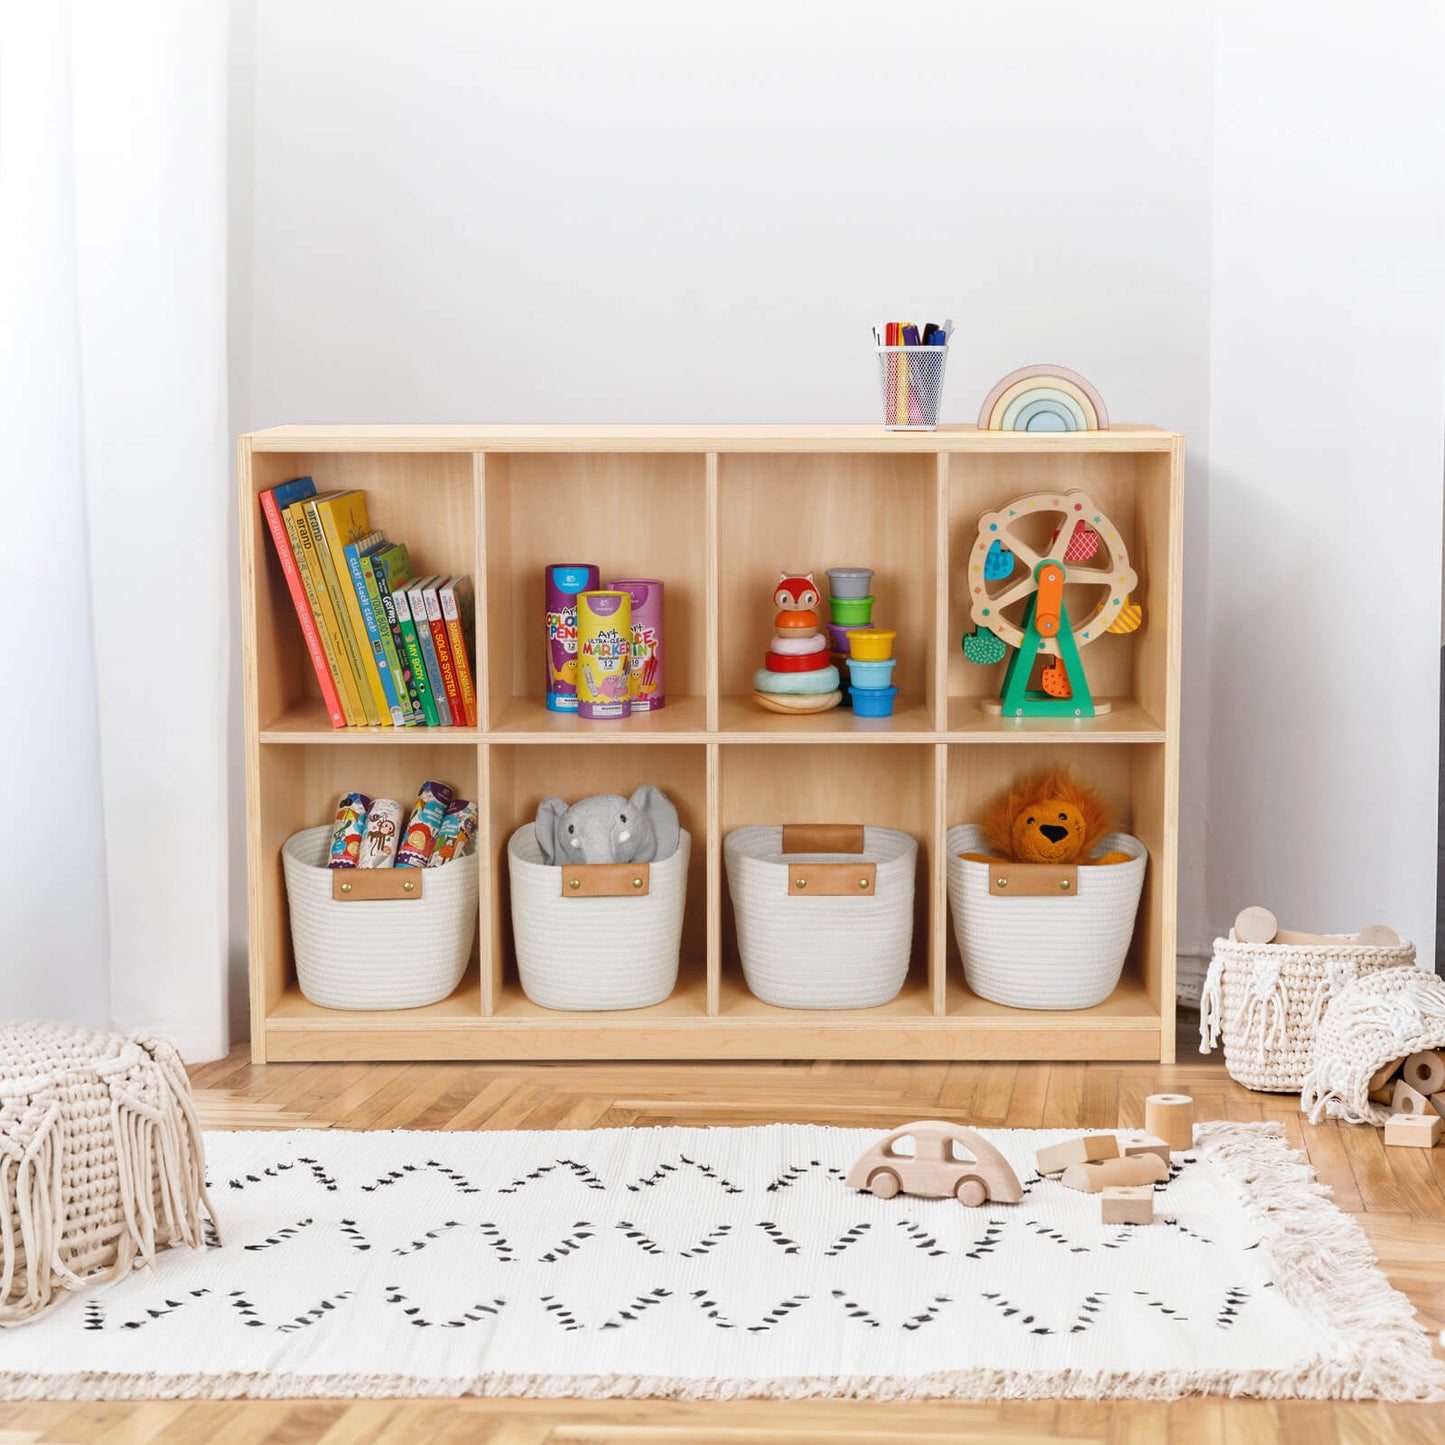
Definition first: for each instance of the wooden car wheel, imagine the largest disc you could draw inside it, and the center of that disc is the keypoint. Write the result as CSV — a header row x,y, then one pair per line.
x,y
884,1184
971,1192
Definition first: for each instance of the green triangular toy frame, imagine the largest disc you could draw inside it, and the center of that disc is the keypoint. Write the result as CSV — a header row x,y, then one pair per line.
x,y
1020,700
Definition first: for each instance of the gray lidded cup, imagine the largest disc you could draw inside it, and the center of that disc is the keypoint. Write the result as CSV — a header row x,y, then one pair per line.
x,y
850,581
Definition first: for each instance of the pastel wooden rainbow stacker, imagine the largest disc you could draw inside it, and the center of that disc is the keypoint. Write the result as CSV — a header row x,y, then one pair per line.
x,y
1043,398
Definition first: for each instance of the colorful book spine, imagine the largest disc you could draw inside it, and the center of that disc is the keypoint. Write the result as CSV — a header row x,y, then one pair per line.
x,y
401,600
313,555
372,621
376,596
273,506
392,566
459,609
443,646
416,595
343,519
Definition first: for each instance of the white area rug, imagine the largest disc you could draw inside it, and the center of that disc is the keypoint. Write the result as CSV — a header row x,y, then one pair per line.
x,y
714,1263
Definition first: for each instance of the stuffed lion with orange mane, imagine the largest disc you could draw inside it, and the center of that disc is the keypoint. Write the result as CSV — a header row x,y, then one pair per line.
x,y
1048,818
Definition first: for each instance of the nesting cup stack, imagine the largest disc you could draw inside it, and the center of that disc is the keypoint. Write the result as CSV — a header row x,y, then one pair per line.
x,y
865,650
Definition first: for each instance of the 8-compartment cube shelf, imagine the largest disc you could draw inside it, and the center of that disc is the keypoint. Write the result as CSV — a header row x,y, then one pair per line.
x,y
712,510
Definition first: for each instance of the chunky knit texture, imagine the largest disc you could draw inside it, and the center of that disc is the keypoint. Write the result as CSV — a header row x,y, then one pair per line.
x,y
1267,999
100,1160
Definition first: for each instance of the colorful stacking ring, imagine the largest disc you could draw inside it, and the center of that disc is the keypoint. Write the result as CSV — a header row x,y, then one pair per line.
x,y
825,679
808,662
798,646
790,624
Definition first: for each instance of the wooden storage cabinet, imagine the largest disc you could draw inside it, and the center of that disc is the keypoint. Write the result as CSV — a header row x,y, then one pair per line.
x,y
717,512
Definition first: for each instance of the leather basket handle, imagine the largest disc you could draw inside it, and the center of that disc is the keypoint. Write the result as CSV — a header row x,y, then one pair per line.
x,y
606,880
822,837
1033,880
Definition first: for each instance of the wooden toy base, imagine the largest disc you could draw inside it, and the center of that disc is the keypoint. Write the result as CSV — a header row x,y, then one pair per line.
x,y
994,707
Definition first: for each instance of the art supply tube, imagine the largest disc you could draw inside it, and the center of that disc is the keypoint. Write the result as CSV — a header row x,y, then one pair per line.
x,y
348,830
604,648
423,826
458,834
565,580
383,834
645,692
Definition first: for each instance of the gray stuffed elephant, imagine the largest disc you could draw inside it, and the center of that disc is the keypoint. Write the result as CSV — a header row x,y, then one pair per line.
x,y
609,828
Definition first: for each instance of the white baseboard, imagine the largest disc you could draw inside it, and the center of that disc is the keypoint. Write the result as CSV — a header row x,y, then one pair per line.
x,y
1189,977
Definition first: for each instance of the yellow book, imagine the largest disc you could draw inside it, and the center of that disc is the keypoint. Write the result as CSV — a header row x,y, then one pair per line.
x,y
330,627
344,520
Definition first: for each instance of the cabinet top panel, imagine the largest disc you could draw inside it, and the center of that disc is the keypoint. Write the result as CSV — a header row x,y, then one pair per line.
x,y
744,438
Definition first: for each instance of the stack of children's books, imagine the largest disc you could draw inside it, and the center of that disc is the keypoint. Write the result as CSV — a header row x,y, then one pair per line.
x,y
390,649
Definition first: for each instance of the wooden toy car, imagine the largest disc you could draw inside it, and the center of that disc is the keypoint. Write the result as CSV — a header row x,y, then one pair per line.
x,y
947,1159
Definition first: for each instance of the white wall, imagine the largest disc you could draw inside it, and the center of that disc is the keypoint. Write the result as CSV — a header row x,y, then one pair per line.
x,y
1327,411
659,212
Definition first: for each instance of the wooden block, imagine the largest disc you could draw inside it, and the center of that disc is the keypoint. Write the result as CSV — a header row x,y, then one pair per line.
x,y
1101,1174
1437,1102
1054,1157
1409,1101
1412,1131
1381,1077
1382,1096
1127,1204
1425,1072
1378,935
1170,1117
1255,925
1146,1145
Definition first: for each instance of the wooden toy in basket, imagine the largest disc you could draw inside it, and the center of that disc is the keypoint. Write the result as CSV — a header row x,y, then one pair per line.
x,y
1049,574
1267,990
947,1160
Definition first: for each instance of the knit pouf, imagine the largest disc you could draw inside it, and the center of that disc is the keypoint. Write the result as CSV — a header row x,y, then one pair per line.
x,y
101,1160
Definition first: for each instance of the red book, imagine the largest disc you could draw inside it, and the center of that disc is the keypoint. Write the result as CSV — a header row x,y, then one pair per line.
x,y
448,669
273,503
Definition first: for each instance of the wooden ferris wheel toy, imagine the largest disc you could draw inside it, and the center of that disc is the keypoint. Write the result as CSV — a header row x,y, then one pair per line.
x,y
1048,575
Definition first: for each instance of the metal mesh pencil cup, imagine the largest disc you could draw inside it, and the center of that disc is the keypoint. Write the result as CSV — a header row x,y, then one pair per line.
x,y
911,378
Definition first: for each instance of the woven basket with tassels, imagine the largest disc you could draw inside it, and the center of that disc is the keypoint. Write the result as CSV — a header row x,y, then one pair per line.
x,y
1265,1001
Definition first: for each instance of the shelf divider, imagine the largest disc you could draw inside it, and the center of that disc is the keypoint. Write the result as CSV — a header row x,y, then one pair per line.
x,y
715,884
713,665
938,873
938,677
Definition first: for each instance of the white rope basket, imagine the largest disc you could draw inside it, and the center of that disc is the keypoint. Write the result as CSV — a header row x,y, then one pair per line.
x,y
1061,951
1266,1000
589,953
377,953
806,951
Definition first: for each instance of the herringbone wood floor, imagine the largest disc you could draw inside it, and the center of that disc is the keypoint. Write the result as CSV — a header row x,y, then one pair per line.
x,y
1400,1196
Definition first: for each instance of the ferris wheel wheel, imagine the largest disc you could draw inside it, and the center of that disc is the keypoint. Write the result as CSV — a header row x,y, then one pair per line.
x,y
1048,574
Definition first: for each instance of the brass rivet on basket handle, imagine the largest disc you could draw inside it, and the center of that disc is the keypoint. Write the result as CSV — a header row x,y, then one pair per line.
x,y
346,888
637,883
1064,884
574,883
832,880
1002,882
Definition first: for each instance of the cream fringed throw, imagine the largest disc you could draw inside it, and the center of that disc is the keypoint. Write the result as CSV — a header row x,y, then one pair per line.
x,y
1371,1022
101,1160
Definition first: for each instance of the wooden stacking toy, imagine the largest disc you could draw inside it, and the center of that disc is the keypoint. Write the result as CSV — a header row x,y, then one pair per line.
x,y
1043,398
797,675
1413,1090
